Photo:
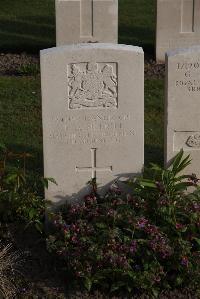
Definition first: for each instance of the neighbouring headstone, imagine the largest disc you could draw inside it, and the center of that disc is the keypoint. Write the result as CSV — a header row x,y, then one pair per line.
x,y
86,21
178,25
93,110
182,124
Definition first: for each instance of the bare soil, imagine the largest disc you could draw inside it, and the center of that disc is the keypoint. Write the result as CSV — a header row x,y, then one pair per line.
x,y
15,64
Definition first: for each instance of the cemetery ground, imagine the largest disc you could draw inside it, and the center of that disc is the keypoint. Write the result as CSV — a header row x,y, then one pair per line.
x,y
26,29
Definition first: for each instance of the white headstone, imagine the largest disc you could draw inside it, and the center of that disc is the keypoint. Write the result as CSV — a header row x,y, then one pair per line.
x,y
178,25
183,105
79,21
93,114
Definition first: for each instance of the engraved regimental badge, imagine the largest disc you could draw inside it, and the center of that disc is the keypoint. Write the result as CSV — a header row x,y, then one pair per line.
x,y
92,85
194,140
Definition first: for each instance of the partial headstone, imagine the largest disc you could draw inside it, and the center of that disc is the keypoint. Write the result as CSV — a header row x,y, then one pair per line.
x,y
178,25
93,114
183,105
86,21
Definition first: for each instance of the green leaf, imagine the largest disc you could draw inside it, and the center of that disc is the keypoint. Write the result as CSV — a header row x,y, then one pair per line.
x,y
155,167
45,182
147,183
182,177
3,147
179,280
183,186
116,286
39,226
88,283
129,289
178,164
52,180
155,293
176,161
101,225
197,240
31,213
11,178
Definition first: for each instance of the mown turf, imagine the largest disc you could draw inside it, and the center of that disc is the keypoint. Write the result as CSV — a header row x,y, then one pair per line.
x,y
154,121
28,26
20,110
137,19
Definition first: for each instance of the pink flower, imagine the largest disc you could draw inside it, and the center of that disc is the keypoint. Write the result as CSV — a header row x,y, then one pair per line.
x,y
74,239
179,226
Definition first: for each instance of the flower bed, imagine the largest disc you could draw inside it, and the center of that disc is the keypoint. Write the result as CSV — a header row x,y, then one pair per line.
x,y
146,241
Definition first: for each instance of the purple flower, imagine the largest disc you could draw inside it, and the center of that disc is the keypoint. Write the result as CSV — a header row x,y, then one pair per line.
x,y
110,212
193,178
163,201
160,187
142,222
185,261
159,245
196,207
90,200
133,247
151,229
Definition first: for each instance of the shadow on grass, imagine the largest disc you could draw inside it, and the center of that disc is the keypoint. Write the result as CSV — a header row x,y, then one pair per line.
x,y
35,163
29,34
138,36
153,154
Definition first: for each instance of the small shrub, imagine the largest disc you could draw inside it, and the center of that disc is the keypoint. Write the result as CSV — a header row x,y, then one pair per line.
x,y
147,241
20,190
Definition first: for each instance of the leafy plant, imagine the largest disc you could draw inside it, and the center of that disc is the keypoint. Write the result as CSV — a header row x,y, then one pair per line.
x,y
145,241
20,191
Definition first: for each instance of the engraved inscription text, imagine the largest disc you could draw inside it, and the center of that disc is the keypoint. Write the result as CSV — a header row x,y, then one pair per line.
x,y
189,73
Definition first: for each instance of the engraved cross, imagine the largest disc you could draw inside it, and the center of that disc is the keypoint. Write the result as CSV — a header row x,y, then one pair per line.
x,y
93,168
86,18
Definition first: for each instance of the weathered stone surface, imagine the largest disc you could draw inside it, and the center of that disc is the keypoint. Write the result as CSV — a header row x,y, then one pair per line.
x,y
178,25
182,105
93,114
89,21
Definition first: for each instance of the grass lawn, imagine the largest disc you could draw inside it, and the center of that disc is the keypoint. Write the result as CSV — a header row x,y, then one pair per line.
x,y
137,19
20,109
28,26
154,121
